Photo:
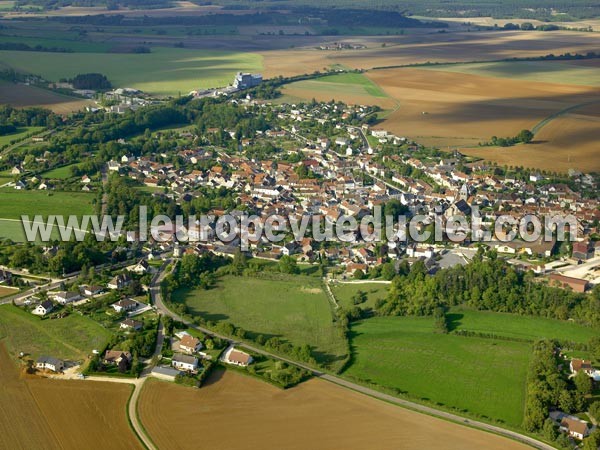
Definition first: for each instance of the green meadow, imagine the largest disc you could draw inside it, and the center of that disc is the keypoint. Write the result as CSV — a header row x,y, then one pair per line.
x,y
73,337
164,71
295,310
475,376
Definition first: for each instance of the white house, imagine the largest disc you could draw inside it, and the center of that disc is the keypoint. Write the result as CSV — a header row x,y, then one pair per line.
x,y
124,305
43,308
49,363
65,297
190,344
237,358
185,362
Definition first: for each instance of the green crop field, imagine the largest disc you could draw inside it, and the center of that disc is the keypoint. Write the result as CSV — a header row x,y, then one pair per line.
x,y
344,292
483,377
582,72
344,84
20,133
73,337
522,327
296,310
165,71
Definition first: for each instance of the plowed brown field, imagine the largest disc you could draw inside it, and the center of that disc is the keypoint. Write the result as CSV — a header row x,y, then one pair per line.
x,y
238,412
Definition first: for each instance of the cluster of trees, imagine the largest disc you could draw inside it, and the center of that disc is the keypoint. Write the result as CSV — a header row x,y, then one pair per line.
x,y
20,46
524,137
548,389
28,117
94,81
487,284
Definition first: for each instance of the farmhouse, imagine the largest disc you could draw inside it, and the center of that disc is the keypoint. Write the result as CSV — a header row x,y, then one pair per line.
x,y
577,365
43,308
49,363
238,358
185,362
125,305
577,429
190,344
117,357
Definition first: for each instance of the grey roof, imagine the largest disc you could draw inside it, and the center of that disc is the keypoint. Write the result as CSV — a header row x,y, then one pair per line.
x,y
49,360
166,371
185,359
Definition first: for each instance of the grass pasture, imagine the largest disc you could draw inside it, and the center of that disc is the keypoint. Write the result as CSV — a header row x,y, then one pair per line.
x,y
520,327
478,376
268,417
164,71
296,310
20,133
73,337
344,292
60,173
15,203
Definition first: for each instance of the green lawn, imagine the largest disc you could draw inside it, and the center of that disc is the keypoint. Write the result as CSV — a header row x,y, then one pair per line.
x,y
20,133
165,71
478,376
567,72
522,327
344,293
60,173
73,337
296,310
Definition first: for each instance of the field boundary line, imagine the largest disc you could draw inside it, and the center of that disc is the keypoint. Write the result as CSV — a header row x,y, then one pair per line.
x,y
541,124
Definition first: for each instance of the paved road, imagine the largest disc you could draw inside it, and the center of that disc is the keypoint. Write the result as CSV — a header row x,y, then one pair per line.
x,y
160,306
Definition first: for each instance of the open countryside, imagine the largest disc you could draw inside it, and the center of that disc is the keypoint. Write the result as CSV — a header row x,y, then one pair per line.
x,y
269,418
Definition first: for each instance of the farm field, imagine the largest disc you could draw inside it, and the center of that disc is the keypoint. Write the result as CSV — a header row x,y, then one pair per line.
x,y
71,338
579,72
90,414
268,417
20,95
20,133
344,292
7,290
56,414
165,71
571,139
451,109
523,327
351,88
428,47
296,310
484,377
